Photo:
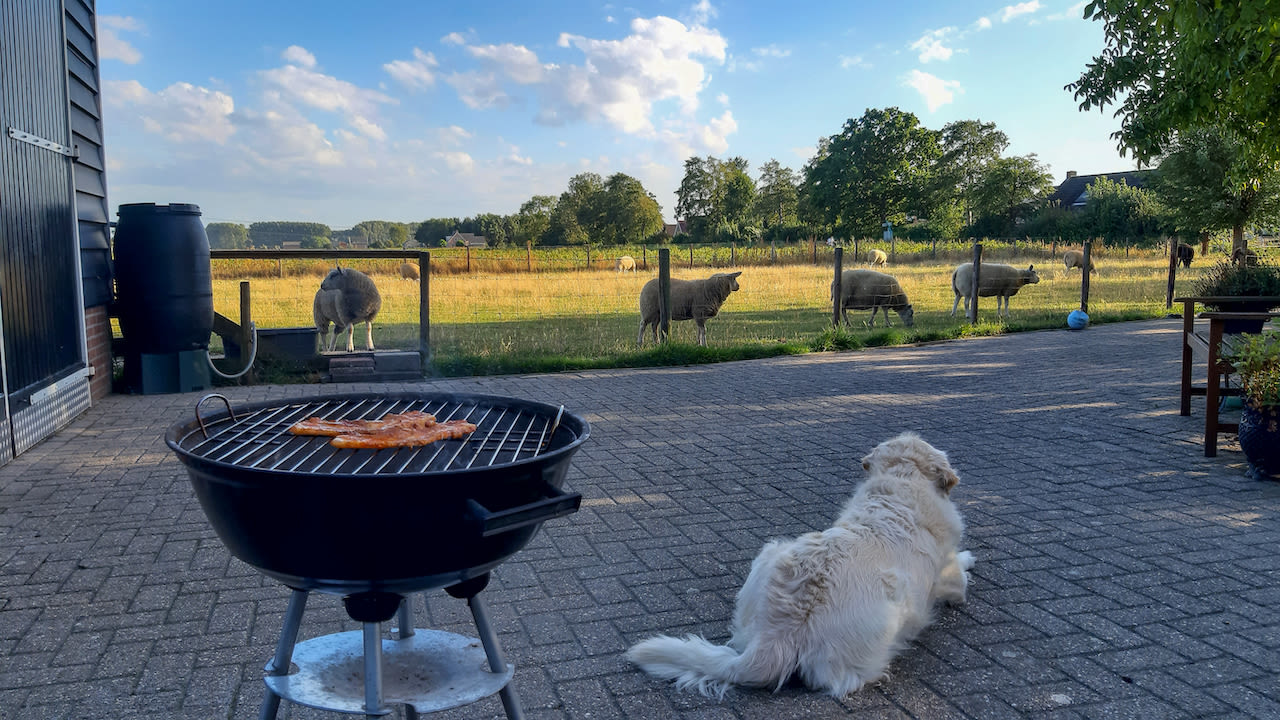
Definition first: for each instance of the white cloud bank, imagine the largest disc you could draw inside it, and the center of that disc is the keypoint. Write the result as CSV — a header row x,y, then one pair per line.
x,y
935,91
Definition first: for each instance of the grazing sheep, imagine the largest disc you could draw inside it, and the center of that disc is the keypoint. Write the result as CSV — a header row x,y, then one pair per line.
x,y
626,263
1075,259
345,298
1002,281
862,289
1186,254
877,257
410,271
690,299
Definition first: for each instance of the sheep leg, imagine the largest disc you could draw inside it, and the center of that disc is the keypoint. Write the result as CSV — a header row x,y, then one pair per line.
x,y
351,331
956,305
702,332
368,335
873,316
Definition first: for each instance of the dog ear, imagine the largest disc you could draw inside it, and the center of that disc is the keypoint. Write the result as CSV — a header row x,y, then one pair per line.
x,y
939,471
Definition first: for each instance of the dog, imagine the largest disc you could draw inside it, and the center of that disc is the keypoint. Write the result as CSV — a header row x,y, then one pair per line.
x,y
835,606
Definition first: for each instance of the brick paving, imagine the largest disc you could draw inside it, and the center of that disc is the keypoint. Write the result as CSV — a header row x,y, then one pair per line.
x,y
1120,573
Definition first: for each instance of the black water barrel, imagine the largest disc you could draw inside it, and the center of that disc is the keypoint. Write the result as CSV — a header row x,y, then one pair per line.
x,y
164,291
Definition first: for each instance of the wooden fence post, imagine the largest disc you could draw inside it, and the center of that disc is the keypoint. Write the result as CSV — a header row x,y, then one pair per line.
x,y
977,271
733,254
424,312
528,254
588,256
857,252
246,323
813,248
1084,274
1173,272
690,256
836,291
664,293
644,249
468,247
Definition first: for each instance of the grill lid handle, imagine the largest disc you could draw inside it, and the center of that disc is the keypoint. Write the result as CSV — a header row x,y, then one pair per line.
x,y
558,503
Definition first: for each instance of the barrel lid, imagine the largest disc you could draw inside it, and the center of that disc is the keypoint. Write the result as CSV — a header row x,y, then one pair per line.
x,y
152,208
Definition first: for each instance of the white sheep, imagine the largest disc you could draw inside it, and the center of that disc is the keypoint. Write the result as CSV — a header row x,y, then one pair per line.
x,y
1075,259
1002,281
877,257
626,263
410,271
345,298
862,289
690,299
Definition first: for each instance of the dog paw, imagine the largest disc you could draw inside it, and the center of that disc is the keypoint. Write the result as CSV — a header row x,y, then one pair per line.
x,y
965,559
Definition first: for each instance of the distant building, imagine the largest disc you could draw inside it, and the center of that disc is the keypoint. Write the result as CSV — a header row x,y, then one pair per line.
x,y
675,228
1073,193
461,239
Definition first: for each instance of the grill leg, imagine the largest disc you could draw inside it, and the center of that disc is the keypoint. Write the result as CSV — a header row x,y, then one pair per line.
x,y
405,620
510,702
373,671
279,664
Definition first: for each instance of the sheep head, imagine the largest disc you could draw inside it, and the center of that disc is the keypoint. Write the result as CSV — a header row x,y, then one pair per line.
x,y
1030,276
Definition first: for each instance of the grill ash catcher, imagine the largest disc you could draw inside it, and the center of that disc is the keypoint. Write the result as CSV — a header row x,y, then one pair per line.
x,y
313,517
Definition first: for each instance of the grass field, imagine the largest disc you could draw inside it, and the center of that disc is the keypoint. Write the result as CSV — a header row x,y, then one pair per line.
x,y
565,316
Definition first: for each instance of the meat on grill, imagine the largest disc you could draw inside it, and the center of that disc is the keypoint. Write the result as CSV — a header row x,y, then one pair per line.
x,y
405,436
408,429
331,428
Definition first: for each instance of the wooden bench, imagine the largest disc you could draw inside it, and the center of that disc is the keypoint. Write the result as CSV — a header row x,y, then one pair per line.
x,y
1207,343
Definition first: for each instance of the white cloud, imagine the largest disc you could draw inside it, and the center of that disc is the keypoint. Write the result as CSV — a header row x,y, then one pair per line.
x,y
1075,12
181,112
935,91
297,84
111,46
930,45
853,61
723,99
415,74
1012,11
452,135
458,162
772,51
702,12
453,38
981,23
618,81
298,55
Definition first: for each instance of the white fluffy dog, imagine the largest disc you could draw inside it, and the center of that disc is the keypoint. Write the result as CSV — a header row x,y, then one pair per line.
x,y
837,605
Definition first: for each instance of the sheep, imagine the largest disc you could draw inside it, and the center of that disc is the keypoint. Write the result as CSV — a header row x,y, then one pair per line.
x,y
345,298
626,263
862,289
877,257
690,299
1244,256
1075,259
1186,254
410,271
1003,281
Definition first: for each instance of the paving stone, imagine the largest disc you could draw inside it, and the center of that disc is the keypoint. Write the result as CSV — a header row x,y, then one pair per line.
x,y
1120,573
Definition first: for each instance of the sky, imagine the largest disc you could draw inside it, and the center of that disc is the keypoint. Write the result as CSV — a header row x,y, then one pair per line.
x,y
402,110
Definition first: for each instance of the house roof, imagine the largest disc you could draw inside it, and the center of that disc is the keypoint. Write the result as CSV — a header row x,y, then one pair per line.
x,y
1072,193
468,239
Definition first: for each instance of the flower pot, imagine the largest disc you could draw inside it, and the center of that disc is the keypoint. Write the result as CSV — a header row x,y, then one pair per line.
x,y
1259,436
1236,326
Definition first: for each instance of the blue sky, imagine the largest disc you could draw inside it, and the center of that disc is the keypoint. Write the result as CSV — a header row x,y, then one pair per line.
x,y
338,112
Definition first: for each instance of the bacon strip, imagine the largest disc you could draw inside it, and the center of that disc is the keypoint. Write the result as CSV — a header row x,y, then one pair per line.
x,y
404,436
321,426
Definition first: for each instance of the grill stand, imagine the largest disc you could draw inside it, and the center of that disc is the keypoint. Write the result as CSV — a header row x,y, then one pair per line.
x,y
326,677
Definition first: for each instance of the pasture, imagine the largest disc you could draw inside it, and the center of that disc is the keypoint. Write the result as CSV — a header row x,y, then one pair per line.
x,y
563,315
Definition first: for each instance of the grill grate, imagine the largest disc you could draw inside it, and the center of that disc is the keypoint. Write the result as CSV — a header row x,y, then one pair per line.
x,y
261,440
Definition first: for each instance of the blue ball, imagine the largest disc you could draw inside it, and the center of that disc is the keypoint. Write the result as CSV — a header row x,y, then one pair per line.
x,y
1077,320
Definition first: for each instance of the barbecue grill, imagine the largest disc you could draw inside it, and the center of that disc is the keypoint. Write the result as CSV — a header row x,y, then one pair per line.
x,y
377,525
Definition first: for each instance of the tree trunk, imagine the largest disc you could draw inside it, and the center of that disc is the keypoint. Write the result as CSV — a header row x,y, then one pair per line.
x,y
1237,240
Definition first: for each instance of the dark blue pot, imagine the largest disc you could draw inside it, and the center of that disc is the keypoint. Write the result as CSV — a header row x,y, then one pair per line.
x,y
1259,436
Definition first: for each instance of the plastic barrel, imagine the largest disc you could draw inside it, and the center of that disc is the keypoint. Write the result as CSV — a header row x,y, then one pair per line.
x,y
164,291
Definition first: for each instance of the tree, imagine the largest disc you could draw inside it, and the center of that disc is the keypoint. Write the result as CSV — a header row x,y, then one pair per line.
x,y
534,218
1007,192
695,198
1182,64
277,233
573,213
1202,181
227,236
623,211
735,192
968,146
776,195
877,169
431,231
1121,212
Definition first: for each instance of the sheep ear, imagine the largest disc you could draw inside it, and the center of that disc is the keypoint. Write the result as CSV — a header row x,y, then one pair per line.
x,y
734,275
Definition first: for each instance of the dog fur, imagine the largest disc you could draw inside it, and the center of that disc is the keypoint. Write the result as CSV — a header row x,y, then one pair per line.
x,y
835,606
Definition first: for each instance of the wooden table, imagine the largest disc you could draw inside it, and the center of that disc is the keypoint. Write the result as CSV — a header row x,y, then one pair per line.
x,y
1208,344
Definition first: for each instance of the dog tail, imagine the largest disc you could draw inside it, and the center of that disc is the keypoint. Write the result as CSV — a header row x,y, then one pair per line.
x,y
694,663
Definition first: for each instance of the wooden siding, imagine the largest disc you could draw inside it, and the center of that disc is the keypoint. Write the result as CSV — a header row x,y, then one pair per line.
x,y
41,323
92,211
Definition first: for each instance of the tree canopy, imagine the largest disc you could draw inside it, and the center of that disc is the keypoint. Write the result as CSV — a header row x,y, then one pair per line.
x,y
227,236
1174,65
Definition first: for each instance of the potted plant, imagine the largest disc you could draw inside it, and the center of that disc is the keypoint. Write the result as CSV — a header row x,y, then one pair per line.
x,y
1256,359
1240,281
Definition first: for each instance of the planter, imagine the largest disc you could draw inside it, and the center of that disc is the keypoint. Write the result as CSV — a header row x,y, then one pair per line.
x,y
1259,436
1236,326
